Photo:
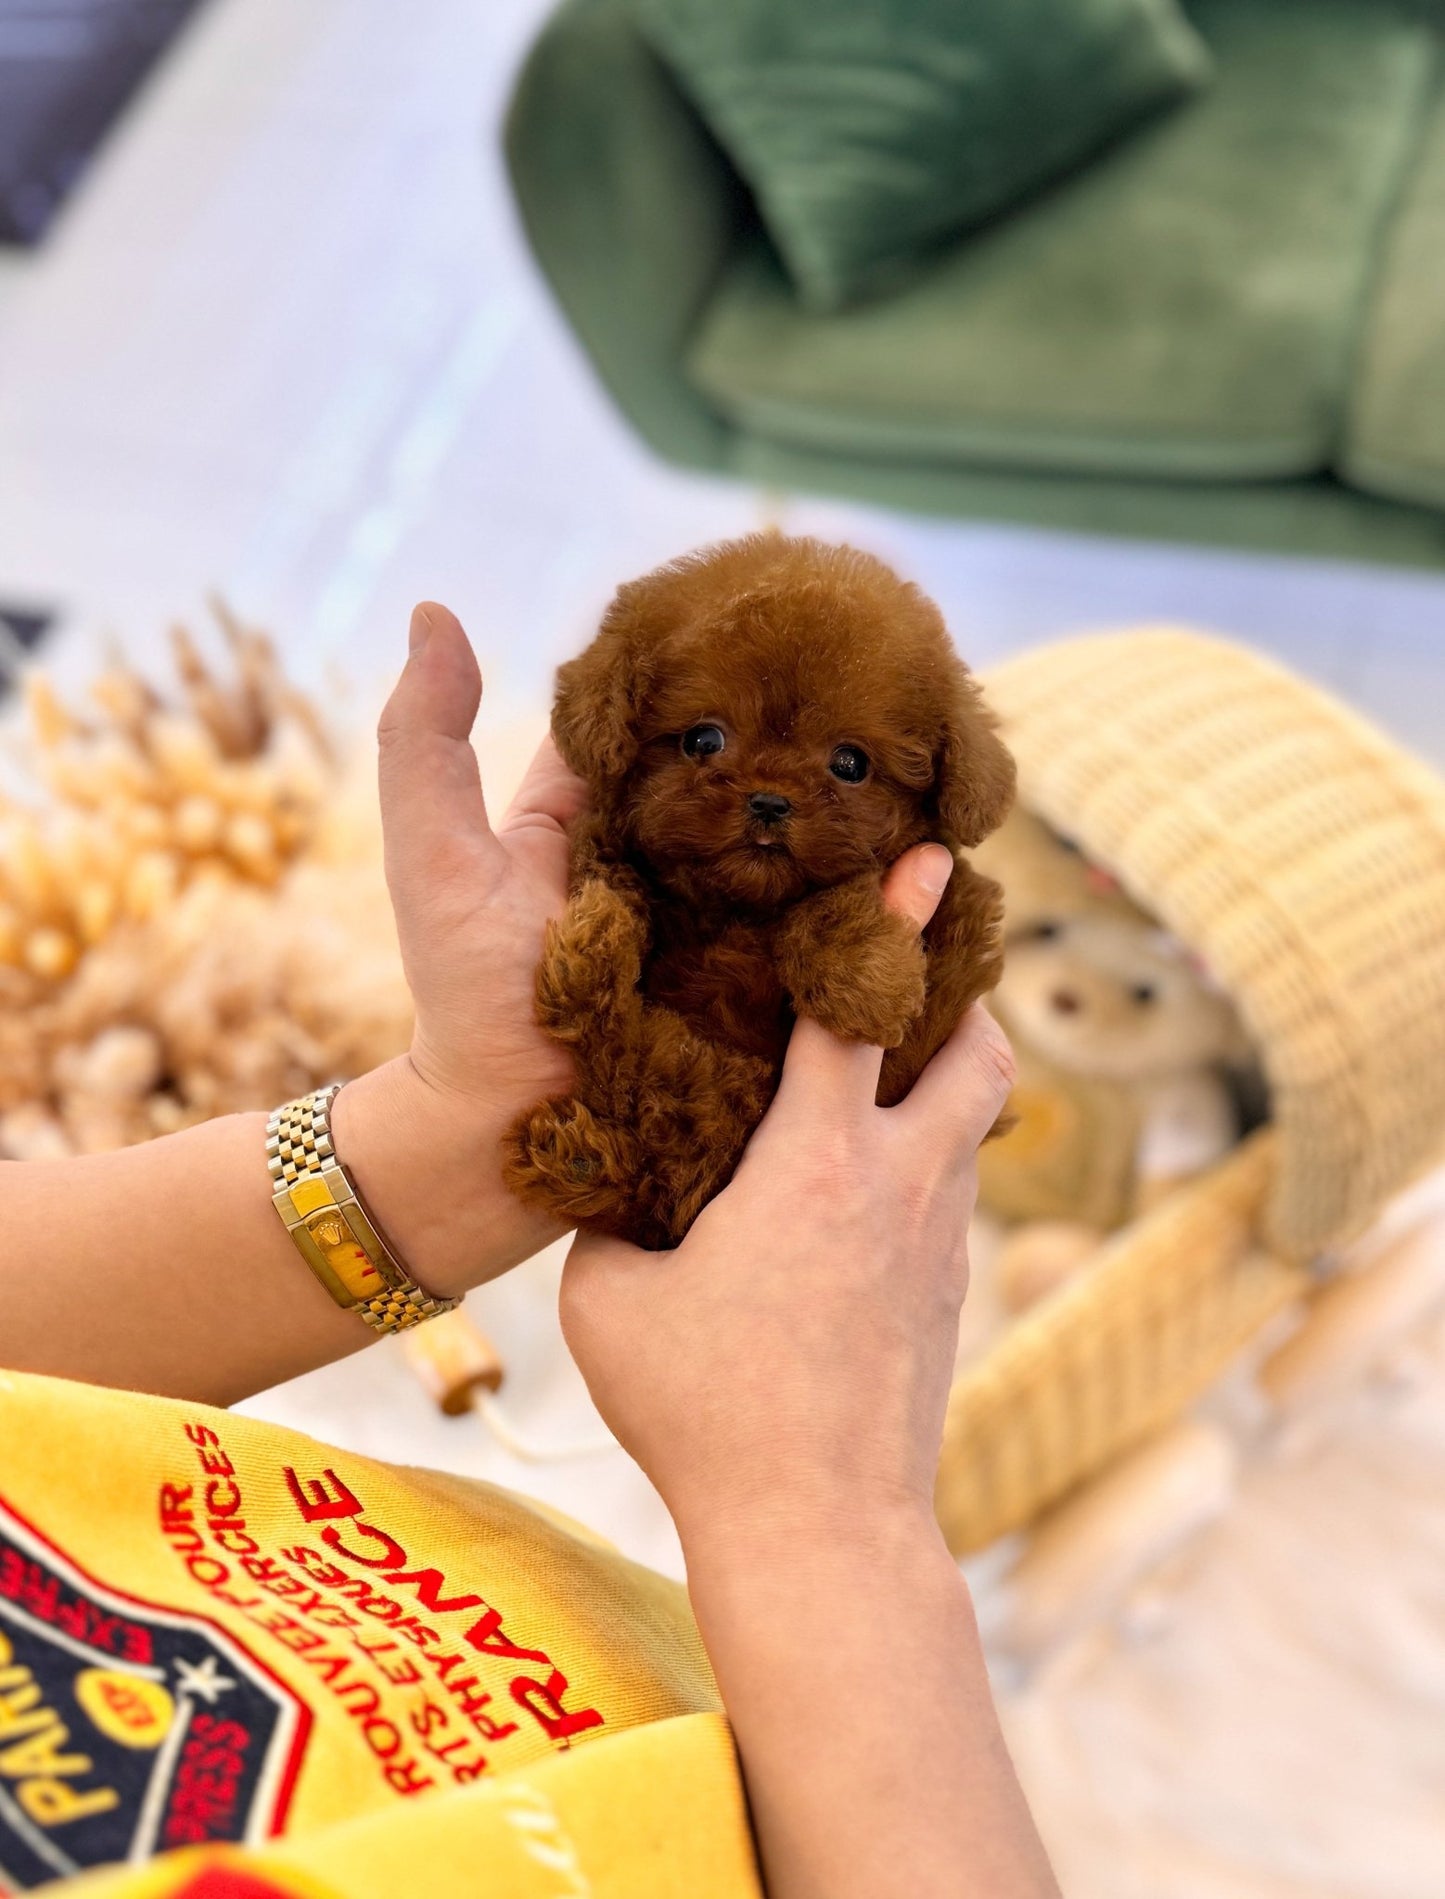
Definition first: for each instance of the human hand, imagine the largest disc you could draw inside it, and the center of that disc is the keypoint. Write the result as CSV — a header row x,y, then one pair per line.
x,y
422,1135
789,1364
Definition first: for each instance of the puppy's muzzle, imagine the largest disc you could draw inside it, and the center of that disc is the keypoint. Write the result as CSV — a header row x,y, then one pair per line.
x,y
768,807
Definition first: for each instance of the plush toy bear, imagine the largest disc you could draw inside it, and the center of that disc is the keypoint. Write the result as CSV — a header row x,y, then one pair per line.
x,y
1114,999
1070,1154
1127,1056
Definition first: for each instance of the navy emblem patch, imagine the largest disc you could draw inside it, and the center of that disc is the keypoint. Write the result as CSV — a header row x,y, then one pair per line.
x,y
126,1729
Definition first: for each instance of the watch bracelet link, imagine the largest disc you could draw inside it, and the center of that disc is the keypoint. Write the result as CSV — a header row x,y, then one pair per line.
x,y
321,1210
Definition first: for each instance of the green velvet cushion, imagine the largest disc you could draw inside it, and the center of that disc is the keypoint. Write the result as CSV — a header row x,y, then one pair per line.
x,y
1315,515
868,129
1395,438
1186,308
631,210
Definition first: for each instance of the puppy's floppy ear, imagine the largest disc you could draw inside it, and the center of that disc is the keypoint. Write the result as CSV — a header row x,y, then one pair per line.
x,y
974,775
601,695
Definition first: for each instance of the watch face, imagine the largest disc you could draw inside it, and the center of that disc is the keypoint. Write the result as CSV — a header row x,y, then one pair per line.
x,y
342,1254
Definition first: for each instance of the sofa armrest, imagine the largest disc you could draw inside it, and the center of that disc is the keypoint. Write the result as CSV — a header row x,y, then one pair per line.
x,y
630,209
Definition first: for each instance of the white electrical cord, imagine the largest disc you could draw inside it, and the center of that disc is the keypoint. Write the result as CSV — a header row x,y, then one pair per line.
x,y
521,1446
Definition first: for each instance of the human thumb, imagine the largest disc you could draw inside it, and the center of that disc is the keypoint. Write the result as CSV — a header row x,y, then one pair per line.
x,y
434,818
917,881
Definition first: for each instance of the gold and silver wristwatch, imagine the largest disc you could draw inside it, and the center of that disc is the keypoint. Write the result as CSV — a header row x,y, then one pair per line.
x,y
319,1205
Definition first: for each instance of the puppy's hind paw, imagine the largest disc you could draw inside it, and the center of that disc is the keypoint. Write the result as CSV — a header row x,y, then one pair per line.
x,y
564,1160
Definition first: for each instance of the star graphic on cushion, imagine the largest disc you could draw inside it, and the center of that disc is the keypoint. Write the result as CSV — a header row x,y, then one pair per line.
x,y
202,1679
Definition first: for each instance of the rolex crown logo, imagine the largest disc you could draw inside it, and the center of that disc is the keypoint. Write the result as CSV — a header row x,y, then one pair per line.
x,y
328,1229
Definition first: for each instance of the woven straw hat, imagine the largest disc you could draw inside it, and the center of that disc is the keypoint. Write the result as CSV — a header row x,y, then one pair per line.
x,y
1302,855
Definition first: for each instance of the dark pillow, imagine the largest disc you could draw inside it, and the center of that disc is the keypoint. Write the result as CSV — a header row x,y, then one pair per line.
x,y
869,128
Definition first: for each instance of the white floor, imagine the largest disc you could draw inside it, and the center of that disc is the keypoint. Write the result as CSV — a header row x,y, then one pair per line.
x,y
287,342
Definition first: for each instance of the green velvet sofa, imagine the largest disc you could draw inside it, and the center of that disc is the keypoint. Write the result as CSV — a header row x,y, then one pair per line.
x,y
1229,329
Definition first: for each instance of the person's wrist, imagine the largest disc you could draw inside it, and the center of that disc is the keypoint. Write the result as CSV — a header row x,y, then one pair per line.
x,y
427,1166
788,1530
787,1574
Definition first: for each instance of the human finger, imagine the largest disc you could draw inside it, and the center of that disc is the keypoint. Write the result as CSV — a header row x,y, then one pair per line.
x,y
821,1070
962,1091
916,883
548,798
550,791
430,784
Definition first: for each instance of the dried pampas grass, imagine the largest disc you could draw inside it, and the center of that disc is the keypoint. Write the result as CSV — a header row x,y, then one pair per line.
x,y
193,918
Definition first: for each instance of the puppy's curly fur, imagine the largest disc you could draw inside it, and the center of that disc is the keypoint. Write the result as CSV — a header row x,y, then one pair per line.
x,y
765,726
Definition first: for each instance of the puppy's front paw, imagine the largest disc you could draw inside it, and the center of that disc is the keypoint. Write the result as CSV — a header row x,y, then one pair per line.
x,y
863,979
594,950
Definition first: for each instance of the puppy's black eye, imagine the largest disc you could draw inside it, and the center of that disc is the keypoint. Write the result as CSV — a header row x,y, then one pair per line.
x,y
704,741
1143,993
849,764
1045,932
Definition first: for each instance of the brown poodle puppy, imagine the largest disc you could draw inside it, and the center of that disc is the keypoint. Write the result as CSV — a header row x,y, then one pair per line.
x,y
765,726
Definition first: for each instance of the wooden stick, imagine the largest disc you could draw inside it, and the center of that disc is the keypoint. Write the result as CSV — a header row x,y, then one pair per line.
x,y
454,1360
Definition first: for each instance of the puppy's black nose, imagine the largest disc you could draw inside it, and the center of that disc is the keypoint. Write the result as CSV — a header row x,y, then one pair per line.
x,y
768,807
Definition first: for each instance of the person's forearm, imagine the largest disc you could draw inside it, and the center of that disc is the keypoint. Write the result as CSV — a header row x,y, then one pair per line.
x,y
165,1267
852,1674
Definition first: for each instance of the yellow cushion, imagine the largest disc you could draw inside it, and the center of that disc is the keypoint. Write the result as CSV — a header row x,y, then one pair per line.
x,y
219,1635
